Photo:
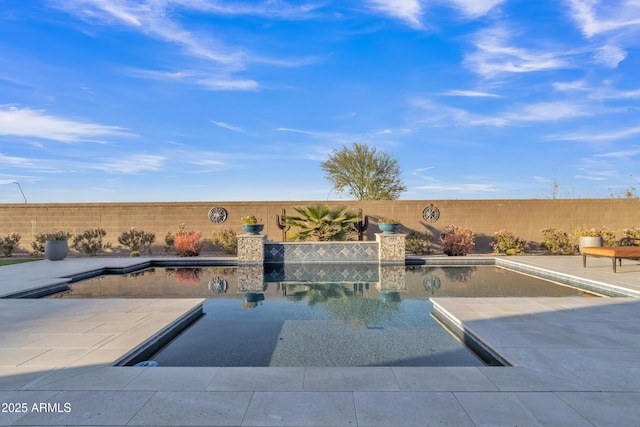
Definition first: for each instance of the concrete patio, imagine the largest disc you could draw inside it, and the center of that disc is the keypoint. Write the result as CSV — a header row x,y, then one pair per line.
x,y
576,363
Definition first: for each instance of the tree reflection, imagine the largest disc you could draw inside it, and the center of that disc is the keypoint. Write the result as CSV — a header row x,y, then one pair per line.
x,y
346,305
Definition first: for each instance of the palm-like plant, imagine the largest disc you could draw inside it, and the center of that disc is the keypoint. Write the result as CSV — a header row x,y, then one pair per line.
x,y
322,223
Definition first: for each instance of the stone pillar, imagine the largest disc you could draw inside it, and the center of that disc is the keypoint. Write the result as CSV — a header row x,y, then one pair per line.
x,y
391,248
251,278
251,249
392,278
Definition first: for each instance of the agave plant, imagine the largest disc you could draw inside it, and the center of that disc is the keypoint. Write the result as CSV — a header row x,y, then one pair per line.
x,y
322,223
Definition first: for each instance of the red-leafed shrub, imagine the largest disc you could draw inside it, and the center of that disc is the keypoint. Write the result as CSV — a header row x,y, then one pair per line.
x,y
457,241
187,243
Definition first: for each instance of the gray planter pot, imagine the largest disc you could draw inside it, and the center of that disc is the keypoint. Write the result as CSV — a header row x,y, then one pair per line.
x,y
55,250
588,242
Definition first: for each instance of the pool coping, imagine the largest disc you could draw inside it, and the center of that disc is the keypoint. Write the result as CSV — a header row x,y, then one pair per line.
x,y
583,381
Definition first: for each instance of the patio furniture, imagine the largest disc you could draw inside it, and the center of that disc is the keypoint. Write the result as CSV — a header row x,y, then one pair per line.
x,y
627,248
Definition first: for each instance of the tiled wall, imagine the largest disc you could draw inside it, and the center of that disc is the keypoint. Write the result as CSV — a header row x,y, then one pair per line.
x,y
321,252
330,273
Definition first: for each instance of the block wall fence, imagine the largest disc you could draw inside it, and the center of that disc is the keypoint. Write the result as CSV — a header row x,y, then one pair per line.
x,y
524,217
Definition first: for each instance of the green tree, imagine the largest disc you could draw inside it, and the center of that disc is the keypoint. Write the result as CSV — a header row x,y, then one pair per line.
x,y
322,223
364,173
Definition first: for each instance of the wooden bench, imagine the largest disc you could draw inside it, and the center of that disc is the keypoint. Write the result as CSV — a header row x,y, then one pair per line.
x,y
625,249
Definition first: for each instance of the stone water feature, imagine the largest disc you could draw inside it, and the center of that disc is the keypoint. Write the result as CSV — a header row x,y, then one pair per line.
x,y
388,249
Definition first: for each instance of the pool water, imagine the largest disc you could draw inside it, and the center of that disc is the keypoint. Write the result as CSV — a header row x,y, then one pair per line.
x,y
317,315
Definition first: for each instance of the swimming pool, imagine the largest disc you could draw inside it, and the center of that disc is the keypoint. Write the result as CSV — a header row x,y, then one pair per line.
x,y
317,315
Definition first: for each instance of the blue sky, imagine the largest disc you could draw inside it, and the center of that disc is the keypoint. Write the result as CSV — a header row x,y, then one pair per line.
x,y
195,100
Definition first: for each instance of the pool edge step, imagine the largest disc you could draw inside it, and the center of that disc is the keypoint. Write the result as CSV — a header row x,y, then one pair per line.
x,y
483,350
159,340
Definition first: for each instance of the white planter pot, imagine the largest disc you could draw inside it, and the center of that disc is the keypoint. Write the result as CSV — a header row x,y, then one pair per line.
x,y
586,242
55,250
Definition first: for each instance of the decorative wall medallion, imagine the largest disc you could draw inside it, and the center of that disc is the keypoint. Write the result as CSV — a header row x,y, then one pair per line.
x,y
218,285
217,215
431,213
431,284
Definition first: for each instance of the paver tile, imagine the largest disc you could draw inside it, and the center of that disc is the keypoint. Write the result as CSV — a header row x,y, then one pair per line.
x,y
409,409
350,379
442,379
257,378
301,409
519,409
171,378
194,408
94,408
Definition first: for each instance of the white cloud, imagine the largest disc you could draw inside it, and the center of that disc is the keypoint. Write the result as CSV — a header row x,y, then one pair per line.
x,y
475,8
607,92
38,124
270,9
570,86
595,137
228,84
132,164
595,17
494,55
409,11
620,154
458,188
471,94
9,161
610,55
227,126
216,82
157,19
539,112
152,18
547,112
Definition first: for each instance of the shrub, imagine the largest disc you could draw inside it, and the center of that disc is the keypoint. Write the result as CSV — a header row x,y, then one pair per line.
x,y
187,243
506,242
388,221
227,240
134,254
41,238
457,241
608,237
9,243
557,242
90,241
418,243
137,240
321,223
633,233
188,276
249,220
169,240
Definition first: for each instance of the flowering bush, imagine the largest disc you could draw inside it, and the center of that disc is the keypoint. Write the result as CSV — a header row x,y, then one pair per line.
x,y
41,238
608,237
187,243
188,276
90,241
227,240
457,241
506,242
418,243
137,240
249,220
169,240
633,233
9,243
557,242
388,221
